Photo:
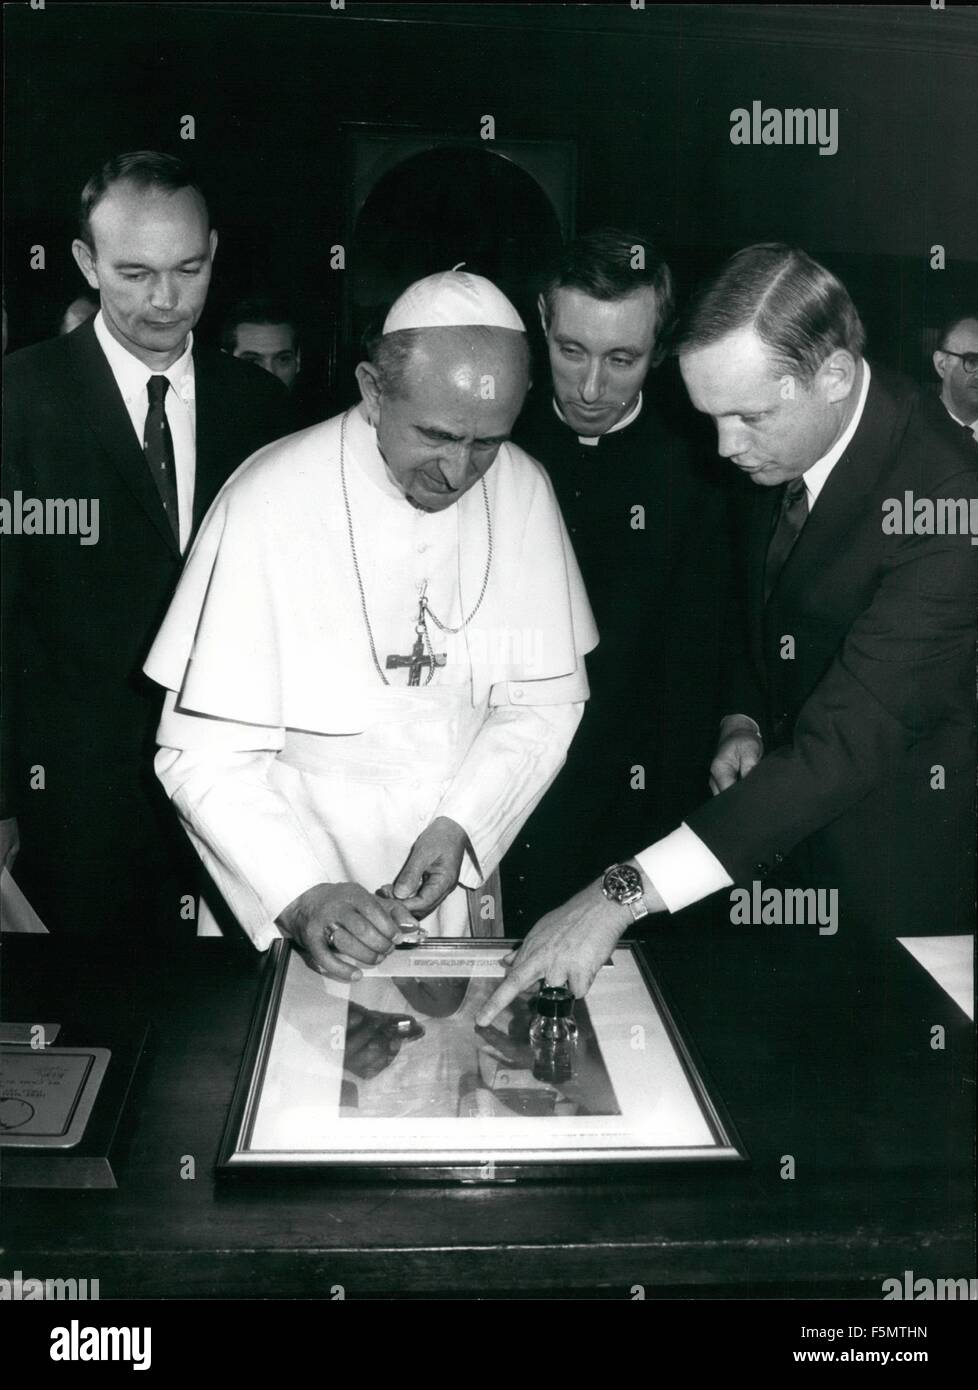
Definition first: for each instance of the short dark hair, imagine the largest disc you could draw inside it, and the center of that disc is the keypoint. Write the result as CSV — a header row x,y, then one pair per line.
x,y
949,325
142,168
609,263
262,308
798,309
390,353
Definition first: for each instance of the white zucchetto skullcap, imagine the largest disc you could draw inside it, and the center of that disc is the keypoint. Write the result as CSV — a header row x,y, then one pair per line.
x,y
452,299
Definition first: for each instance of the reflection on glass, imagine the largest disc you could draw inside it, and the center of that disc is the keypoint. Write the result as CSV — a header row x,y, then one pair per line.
x,y
412,1049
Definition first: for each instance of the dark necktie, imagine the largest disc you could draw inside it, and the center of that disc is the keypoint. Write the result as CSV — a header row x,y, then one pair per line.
x,y
792,516
972,439
158,448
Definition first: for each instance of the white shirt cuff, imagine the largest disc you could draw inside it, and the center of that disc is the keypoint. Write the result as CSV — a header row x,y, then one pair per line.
x,y
682,869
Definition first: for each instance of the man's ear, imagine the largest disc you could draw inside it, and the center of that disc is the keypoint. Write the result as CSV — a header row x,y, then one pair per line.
x,y
85,261
369,382
542,311
838,372
212,243
298,359
940,362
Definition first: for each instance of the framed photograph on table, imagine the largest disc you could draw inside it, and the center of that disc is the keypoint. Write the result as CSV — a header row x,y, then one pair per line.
x,y
390,1077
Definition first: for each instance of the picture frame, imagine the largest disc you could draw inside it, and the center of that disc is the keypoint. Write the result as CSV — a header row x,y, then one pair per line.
x,y
81,1093
47,1094
388,1078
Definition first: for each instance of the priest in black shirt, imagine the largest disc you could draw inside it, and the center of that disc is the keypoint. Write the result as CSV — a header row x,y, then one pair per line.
x,y
646,505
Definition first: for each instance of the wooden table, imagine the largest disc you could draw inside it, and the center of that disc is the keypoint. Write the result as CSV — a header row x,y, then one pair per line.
x,y
821,1049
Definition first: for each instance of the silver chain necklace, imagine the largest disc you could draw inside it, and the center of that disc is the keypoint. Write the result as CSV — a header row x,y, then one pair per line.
x,y
425,610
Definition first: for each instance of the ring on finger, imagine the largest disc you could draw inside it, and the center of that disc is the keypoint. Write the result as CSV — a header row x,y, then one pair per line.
x,y
331,938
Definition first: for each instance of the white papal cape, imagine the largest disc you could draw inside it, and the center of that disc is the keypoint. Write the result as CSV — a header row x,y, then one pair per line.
x,y
288,760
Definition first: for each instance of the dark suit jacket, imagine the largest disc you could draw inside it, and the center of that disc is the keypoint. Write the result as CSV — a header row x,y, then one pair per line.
x,y
659,592
78,620
878,695
966,432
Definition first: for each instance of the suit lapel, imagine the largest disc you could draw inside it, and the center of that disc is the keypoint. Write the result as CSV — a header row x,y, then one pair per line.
x,y
826,529
840,503
99,404
210,431
766,502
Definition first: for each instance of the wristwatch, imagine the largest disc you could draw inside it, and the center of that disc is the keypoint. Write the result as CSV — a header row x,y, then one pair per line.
x,y
623,884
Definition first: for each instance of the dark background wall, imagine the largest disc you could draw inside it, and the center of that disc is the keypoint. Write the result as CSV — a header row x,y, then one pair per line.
x,y
645,95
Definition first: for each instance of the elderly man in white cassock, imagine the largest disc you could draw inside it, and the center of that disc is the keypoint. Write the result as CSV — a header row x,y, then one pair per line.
x,y
374,657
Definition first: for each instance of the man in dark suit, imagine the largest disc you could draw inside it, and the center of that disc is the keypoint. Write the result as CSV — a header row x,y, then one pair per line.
x,y
849,764
263,330
127,425
644,500
956,363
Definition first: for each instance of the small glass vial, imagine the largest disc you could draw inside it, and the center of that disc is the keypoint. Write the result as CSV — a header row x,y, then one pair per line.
x,y
553,1035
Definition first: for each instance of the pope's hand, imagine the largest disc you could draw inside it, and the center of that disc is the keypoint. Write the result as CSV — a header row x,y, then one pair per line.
x,y
374,1039
567,947
739,751
334,919
431,870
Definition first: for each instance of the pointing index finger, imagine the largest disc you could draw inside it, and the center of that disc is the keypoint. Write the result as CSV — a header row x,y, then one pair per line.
x,y
520,977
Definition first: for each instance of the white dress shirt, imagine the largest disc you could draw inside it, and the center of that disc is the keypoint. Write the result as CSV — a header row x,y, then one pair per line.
x,y
131,377
680,866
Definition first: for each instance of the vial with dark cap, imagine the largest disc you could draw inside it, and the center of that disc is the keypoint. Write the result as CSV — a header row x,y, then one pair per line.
x,y
553,1035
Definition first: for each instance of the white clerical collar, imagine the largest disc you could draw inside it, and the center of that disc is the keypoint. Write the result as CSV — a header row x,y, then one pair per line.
x,y
815,477
592,440
362,438
131,375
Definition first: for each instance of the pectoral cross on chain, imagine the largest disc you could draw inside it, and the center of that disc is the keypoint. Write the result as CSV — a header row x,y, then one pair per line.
x,y
418,659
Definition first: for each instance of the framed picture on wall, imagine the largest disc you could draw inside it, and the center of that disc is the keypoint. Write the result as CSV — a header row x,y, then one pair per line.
x,y
420,201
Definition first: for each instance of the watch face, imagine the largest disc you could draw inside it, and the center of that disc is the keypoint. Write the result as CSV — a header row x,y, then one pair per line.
x,y
623,883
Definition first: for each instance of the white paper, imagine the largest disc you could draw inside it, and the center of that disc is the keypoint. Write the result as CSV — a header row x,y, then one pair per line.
x,y
16,913
951,962
301,1109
